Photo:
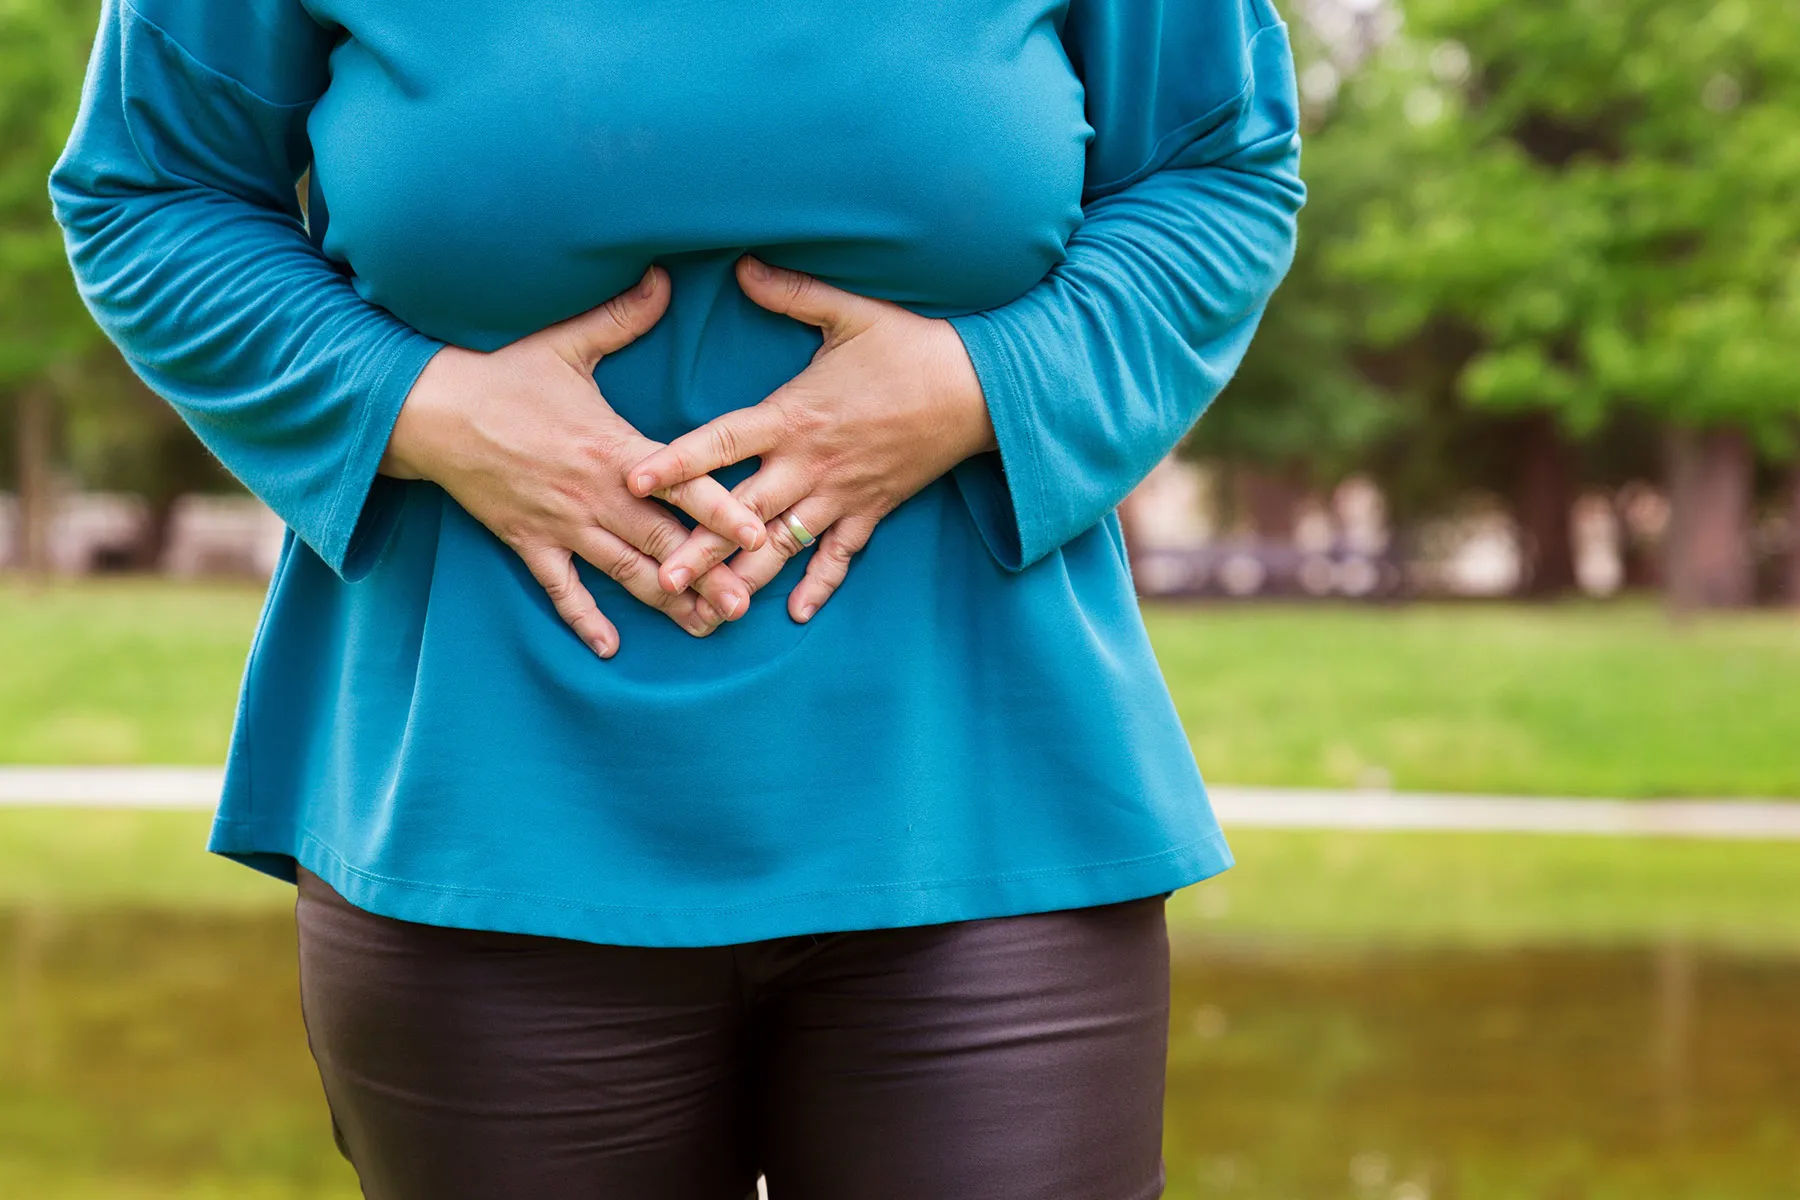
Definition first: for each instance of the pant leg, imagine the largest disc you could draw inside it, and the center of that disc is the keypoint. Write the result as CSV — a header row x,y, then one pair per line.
x,y
462,1065
1018,1058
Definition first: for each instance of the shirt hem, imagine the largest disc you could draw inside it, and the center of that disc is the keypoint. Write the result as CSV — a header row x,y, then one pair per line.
x,y
869,906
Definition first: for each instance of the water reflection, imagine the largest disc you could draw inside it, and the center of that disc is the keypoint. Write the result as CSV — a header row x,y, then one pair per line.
x,y
151,1055
1649,1073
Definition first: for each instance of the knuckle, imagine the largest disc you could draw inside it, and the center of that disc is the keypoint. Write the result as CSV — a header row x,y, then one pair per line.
x,y
757,500
856,538
783,539
619,311
569,601
622,563
711,555
725,442
721,507
571,493
662,538
596,446
684,464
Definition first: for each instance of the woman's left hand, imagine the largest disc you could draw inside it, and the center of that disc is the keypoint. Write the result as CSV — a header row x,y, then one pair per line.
x,y
890,403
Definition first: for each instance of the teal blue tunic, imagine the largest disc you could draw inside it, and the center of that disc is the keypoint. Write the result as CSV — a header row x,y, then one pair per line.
x,y
1099,193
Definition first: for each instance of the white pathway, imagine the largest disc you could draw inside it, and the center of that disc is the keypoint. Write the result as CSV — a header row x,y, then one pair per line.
x,y
1238,807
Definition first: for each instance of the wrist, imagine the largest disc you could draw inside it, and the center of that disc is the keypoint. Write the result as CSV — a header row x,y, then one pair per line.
x,y
967,403
421,430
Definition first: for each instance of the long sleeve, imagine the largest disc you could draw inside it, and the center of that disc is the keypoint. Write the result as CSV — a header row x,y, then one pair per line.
x,y
1189,205
176,196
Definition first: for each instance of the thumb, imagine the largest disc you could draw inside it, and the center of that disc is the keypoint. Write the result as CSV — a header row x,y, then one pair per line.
x,y
585,338
805,298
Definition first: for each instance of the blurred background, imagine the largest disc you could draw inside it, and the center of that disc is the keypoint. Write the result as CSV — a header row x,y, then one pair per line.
x,y
1504,505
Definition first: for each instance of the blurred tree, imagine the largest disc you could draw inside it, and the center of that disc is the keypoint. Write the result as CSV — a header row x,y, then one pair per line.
x,y
1329,388
68,387
1299,416
121,436
1602,193
43,326
1791,525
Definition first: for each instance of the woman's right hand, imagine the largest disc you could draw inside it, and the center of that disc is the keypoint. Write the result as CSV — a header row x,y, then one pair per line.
x,y
522,439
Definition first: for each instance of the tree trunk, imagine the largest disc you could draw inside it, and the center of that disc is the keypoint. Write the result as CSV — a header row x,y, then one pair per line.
x,y
35,498
1707,554
1791,585
1268,501
1640,554
1546,497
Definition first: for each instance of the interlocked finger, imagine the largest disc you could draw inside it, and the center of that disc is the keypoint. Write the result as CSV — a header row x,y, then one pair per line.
x,y
656,533
765,493
635,571
829,565
713,505
554,569
758,567
737,435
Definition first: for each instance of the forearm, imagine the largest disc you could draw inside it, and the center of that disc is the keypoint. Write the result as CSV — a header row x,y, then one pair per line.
x,y
175,196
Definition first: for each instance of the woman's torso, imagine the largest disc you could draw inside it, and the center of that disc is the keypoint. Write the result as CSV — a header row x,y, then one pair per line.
x,y
946,739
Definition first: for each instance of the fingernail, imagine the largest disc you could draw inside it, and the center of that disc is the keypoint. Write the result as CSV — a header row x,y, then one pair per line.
x,y
748,536
707,612
757,267
732,602
680,577
647,284
807,610
646,483
601,647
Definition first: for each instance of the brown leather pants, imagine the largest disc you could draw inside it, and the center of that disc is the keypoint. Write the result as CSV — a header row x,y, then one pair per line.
x,y
1015,1058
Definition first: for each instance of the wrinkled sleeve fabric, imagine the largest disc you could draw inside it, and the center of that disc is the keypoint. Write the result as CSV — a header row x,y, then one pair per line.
x,y
1191,192
176,197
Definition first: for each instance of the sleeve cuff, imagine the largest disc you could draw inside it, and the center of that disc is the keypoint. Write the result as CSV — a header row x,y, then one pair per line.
x,y
1003,490
367,505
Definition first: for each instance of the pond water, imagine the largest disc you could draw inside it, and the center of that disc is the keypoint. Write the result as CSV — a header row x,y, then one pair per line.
x,y
150,1056
1648,1073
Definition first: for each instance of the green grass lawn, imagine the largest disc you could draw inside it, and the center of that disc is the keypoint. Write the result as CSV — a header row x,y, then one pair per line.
x,y
1594,700
121,672
1579,700
1349,888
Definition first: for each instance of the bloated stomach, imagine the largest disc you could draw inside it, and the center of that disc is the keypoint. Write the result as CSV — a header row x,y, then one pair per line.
x,y
513,164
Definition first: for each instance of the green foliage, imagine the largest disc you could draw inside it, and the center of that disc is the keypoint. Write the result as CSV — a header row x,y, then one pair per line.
x,y
1603,192
120,436
1299,404
43,52
1298,401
